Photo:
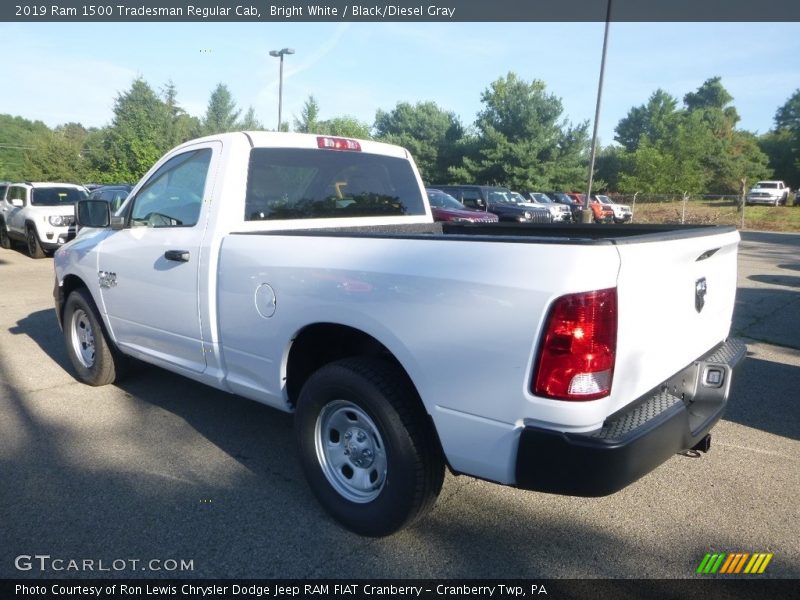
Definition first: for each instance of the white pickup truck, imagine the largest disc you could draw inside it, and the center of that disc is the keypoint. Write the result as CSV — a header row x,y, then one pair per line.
x,y
307,273
773,193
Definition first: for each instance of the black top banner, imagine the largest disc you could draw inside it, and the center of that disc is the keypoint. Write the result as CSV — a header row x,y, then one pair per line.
x,y
400,10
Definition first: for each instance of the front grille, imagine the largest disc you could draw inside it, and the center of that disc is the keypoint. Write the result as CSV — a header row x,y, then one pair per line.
x,y
541,216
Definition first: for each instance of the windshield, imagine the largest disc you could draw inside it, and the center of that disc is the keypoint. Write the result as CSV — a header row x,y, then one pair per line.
x,y
439,199
540,197
562,197
56,196
604,199
503,196
767,184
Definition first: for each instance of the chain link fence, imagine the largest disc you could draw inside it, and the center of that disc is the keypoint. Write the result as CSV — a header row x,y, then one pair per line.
x,y
708,209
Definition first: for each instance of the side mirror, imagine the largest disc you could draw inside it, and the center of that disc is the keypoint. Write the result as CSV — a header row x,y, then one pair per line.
x,y
17,202
92,213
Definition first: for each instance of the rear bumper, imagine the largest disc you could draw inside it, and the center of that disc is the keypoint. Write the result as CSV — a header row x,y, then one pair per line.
x,y
674,417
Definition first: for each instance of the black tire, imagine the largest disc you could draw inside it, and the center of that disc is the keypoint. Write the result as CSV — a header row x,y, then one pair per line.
x,y
88,348
35,249
379,482
5,241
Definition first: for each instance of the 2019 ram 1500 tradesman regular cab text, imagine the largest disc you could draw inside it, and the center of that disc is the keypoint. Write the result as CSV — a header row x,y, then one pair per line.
x,y
306,273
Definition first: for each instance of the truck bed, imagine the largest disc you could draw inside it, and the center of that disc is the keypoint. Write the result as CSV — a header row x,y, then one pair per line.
x,y
555,233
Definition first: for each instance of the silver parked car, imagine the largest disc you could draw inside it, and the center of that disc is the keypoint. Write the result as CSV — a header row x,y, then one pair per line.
x,y
561,213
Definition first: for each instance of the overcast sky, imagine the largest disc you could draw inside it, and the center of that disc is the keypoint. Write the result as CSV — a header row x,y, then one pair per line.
x,y
62,72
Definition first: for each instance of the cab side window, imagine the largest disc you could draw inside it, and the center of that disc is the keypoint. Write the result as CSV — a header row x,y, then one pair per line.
x,y
472,199
16,192
173,196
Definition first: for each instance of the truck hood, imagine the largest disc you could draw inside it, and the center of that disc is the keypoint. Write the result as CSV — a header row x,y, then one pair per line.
x,y
51,211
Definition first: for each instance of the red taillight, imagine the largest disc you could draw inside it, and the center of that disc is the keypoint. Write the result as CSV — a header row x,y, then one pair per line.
x,y
579,347
336,143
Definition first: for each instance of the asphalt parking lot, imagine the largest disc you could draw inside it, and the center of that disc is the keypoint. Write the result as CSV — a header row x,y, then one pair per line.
x,y
159,468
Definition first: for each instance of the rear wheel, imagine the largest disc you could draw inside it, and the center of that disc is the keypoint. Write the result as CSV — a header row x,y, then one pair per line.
x,y
87,344
368,450
5,241
35,249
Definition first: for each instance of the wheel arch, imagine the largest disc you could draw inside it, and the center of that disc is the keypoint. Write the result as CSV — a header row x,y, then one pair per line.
x,y
318,344
69,285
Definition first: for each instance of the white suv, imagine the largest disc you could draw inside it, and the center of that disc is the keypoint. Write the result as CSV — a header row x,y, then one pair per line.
x,y
622,212
40,214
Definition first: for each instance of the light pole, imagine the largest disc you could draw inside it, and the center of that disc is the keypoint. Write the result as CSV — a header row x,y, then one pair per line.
x,y
586,215
280,54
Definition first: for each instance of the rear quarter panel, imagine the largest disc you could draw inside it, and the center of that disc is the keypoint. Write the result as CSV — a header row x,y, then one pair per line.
x,y
461,317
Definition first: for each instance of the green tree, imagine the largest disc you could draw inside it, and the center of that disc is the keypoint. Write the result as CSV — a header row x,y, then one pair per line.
x,y
654,120
428,132
522,141
309,117
17,137
728,154
695,149
137,136
180,126
782,144
345,126
249,121
221,114
57,155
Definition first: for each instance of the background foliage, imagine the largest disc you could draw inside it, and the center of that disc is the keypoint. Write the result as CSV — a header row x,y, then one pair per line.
x,y
520,138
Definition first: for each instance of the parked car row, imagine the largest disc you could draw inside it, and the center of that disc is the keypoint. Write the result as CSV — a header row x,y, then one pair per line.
x,y
466,202
496,200
446,208
561,213
42,214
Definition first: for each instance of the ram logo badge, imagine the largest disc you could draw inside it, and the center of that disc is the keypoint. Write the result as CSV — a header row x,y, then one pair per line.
x,y
700,289
107,279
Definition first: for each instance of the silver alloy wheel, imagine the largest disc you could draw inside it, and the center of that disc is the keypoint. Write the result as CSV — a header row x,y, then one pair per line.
x,y
82,337
350,451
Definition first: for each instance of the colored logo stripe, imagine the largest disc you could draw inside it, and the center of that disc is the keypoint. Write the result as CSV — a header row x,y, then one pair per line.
x,y
734,563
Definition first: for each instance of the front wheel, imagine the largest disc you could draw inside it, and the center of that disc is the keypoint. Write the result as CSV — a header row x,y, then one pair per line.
x,y
5,241
35,249
368,450
87,345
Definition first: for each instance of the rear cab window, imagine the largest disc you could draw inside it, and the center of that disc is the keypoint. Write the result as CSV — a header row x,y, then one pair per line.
x,y
306,183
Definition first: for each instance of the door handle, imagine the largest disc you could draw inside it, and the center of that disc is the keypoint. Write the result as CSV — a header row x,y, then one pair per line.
x,y
177,255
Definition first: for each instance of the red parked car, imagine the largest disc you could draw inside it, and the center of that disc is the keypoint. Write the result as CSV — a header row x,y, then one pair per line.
x,y
446,208
600,212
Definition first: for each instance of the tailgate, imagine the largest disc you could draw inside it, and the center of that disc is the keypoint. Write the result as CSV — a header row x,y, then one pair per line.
x,y
676,299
